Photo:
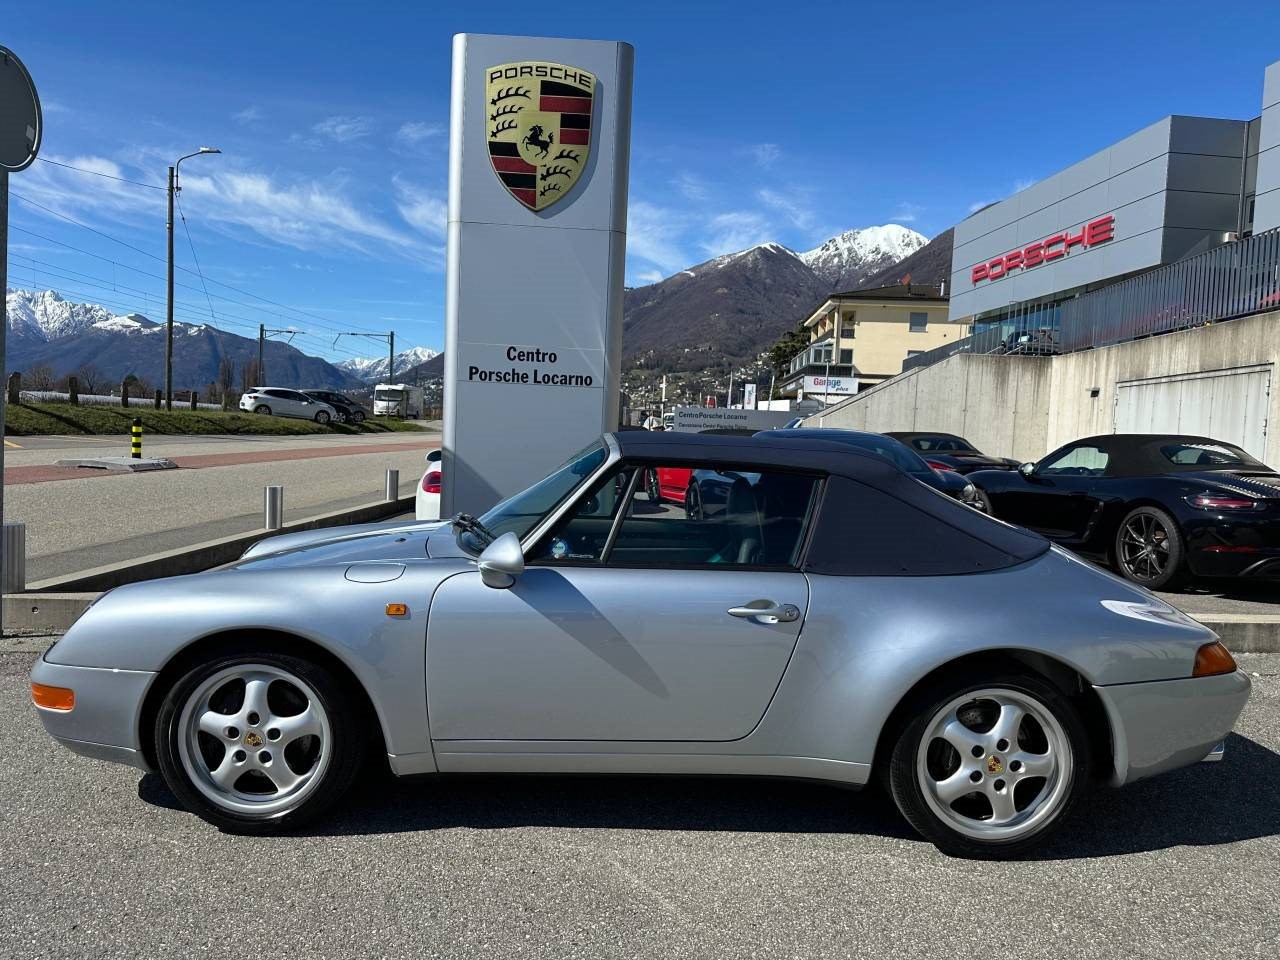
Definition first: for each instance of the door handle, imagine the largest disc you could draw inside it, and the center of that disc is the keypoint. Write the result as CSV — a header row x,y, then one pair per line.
x,y
767,612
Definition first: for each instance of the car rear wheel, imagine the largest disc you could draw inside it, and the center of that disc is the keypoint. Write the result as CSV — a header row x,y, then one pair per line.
x,y
1148,549
651,488
259,742
357,416
982,502
322,417
263,409
989,766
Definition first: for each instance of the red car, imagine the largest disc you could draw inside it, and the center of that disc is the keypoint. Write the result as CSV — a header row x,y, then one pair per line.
x,y
667,483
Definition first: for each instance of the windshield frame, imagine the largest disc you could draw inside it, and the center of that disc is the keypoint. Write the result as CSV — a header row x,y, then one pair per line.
x,y
552,514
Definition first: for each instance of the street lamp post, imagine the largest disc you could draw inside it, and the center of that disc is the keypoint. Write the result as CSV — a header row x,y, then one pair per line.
x,y
168,333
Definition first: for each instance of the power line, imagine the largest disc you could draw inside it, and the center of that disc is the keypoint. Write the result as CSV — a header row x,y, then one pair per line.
x,y
99,173
187,231
63,216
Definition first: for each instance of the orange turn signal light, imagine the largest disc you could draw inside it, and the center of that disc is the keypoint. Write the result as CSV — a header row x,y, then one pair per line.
x,y
397,609
1213,659
53,698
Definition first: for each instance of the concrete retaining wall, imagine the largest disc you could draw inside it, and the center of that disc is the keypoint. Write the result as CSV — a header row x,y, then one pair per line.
x,y
1023,407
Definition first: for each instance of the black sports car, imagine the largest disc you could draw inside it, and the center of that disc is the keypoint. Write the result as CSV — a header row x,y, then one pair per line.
x,y
946,451
1158,507
949,482
349,411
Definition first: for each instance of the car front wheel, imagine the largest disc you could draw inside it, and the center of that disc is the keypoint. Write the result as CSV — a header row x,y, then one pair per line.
x,y
1149,550
989,767
322,417
358,416
693,503
259,742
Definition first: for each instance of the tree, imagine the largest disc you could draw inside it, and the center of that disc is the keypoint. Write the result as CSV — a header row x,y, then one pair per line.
x,y
40,377
249,375
226,380
90,377
138,386
786,347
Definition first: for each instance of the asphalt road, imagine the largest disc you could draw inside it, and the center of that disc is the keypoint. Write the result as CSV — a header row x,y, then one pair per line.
x,y
96,862
77,524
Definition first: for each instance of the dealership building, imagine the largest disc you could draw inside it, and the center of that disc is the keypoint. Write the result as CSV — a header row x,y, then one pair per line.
x,y
1179,187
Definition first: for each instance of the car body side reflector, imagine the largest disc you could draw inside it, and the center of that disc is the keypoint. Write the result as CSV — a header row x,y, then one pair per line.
x,y
53,698
1213,659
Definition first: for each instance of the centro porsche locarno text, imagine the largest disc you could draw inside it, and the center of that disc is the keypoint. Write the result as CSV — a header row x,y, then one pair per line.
x,y
532,375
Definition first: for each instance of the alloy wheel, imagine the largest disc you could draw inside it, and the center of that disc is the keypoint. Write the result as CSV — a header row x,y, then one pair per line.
x,y
254,739
1144,547
994,764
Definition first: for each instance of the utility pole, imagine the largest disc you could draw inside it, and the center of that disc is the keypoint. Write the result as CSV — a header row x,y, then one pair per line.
x,y
262,373
168,327
391,357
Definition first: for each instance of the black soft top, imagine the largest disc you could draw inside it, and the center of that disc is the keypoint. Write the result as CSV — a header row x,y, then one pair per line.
x,y
874,519
1138,454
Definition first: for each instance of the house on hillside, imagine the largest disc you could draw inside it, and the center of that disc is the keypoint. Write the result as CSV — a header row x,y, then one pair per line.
x,y
862,337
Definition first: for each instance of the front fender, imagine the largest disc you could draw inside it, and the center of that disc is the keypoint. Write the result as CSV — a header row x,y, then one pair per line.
x,y
144,626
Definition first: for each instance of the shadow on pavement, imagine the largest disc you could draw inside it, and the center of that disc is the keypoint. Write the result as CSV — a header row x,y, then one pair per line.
x,y
1205,804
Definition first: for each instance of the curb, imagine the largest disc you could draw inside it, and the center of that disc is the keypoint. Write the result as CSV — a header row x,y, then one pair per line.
x,y
198,557
1244,632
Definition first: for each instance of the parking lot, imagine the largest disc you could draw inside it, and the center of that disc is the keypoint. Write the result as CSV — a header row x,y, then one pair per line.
x,y
95,861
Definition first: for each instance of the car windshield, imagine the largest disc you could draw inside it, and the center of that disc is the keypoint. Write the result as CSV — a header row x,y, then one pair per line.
x,y
519,514
942,444
387,394
1207,455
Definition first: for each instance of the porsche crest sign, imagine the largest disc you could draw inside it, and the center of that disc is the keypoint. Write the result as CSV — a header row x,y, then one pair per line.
x,y
538,123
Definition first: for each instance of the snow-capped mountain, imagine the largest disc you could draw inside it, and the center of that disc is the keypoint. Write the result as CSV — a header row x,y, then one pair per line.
x,y
43,315
373,369
47,330
845,261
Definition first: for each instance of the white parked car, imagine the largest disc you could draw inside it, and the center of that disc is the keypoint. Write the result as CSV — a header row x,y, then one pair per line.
x,y
287,403
427,504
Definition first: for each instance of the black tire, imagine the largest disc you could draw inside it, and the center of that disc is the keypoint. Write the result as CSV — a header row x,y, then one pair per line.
x,y
1148,549
322,417
983,502
263,409
349,730
693,503
908,792
342,417
651,488
357,416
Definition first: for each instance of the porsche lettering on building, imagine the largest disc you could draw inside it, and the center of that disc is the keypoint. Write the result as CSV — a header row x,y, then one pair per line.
x,y
1046,250
538,118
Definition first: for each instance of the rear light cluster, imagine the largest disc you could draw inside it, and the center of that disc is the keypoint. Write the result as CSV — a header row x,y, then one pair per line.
x,y
941,466
1224,501
431,481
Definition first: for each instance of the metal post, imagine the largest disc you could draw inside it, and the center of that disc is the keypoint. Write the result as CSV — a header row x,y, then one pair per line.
x,y
15,558
135,445
6,572
391,357
273,507
262,336
393,485
168,332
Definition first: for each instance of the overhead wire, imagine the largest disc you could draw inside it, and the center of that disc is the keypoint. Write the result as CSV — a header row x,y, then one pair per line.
x,y
99,173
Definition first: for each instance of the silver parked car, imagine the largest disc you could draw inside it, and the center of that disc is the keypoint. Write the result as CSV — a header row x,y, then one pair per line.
x,y
287,403
835,621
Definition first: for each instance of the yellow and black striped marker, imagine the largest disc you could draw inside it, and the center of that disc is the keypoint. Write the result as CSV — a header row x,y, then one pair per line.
x,y
137,438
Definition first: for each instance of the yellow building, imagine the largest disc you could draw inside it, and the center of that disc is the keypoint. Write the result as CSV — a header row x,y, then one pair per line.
x,y
860,338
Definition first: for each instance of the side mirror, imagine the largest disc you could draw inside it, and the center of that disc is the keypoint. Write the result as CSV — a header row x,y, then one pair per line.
x,y
1027,470
501,562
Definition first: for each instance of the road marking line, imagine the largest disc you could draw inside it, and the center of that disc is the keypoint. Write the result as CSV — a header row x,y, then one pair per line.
x,y
10,443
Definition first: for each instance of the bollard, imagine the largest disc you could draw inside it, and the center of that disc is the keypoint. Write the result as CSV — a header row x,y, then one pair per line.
x,y
135,447
73,391
159,398
15,387
393,485
273,507
196,406
15,558
124,394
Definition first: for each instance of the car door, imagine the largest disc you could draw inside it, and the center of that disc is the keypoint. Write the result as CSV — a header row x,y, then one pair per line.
x,y
631,622
1060,498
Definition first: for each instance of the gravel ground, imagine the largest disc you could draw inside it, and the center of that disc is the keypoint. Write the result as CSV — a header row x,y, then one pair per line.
x,y
96,862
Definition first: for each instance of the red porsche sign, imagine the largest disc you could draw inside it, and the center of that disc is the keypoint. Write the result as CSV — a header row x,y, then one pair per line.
x,y
1050,248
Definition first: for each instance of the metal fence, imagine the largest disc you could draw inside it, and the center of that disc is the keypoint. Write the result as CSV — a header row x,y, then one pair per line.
x,y
1230,281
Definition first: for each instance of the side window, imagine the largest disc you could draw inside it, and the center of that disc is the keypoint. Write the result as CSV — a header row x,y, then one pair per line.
x,y
1082,461
727,517
582,533
918,322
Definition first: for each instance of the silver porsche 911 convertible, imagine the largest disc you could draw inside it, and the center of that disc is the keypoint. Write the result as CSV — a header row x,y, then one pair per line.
x,y
837,621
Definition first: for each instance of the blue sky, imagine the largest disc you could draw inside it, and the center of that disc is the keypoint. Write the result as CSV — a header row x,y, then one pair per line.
x,y
752,122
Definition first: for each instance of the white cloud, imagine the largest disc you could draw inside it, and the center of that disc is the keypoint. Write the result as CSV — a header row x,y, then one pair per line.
x,y
766,154
423,210
344,129
906,213
735,231
644,277
692,187
412,133
795,209
249,114
653,235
